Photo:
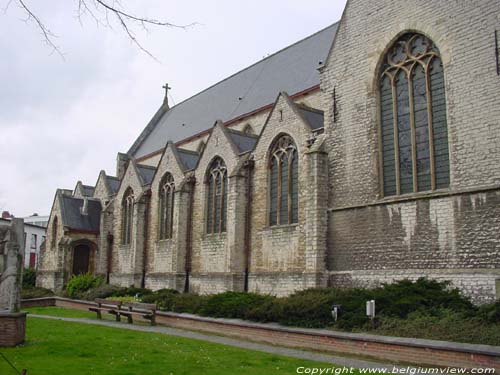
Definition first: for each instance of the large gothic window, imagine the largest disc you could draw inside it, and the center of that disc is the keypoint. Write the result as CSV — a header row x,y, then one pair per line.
x,y
414,134
283,182
216,196
127,216
166,206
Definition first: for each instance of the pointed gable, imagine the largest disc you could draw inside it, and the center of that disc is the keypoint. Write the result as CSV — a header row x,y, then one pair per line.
x,y
221,144
82,190
244,141
171,162
146,173
74,218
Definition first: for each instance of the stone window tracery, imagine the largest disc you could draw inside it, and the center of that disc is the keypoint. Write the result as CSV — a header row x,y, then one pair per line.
x,y
216,196
166,206
283,182
414,135
127,216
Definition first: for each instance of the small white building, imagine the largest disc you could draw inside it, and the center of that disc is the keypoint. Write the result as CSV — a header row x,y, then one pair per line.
x,y
34,236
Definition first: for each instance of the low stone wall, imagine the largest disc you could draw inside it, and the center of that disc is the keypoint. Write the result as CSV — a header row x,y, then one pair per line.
x,y
395,349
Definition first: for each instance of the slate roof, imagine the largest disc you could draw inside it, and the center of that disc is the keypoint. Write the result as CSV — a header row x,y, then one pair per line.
x,y
113,183
188,158
146,173
313,116
88,191
293,69
244,142
72,217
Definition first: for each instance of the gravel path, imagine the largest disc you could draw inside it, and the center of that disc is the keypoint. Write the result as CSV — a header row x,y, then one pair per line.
x,y
303,354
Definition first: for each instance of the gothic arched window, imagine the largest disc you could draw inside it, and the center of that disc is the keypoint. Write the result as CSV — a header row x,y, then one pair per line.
x,y
166,213
127,216
216,196
414,134
283,182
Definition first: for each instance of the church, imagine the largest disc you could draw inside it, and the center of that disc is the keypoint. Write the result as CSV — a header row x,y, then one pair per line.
x,y
365,153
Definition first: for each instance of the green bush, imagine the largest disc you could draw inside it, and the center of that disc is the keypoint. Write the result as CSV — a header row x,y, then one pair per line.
x,y
35,293
189,303
490,313
29,278
101,291
404,297
79,284
133,291
164,298
232,304
444,324
124,299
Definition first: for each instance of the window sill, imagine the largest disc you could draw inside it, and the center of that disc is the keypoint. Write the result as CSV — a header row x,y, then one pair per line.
x,y
215,236
281,228
417,195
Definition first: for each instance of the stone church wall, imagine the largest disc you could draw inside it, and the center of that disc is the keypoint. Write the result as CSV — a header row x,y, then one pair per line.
x,y
451,234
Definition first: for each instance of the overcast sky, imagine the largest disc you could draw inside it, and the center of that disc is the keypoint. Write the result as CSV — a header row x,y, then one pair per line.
x,y
64,120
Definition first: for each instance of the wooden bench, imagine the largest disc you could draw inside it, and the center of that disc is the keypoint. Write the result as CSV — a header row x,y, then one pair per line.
x,y
145,310
108,306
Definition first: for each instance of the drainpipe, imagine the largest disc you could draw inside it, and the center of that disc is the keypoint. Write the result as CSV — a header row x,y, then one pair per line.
x,y
189,232
109,239
147,197
249,164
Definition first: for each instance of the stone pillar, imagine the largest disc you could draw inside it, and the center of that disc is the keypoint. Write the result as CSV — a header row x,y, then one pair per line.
x,y
12,321
235,247
316,227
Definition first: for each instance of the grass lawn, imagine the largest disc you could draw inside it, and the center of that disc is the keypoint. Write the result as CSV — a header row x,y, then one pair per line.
x,y
66,313
58,347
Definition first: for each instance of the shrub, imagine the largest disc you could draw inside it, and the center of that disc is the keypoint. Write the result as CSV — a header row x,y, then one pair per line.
x,y
490,313
29,278
35,293
133,291
189,303
101,291
403,297
232,304
164,298
124,299
79,284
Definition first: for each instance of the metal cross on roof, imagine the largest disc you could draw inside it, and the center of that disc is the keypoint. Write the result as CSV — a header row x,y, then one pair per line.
x,y
166,87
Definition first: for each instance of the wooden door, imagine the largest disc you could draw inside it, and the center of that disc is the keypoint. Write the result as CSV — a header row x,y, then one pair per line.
x,y
81,256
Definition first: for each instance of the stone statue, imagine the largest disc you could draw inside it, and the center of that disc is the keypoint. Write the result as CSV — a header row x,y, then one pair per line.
x,y
11,250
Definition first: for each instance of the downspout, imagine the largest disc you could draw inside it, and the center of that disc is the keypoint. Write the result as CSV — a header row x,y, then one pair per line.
x,y
249,164
147,197
189,232
109,239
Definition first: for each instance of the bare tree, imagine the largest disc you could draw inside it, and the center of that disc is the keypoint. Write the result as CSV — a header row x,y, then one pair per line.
x,y
105,13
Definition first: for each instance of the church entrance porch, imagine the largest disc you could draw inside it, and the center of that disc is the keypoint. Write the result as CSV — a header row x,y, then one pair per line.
x,y
82,257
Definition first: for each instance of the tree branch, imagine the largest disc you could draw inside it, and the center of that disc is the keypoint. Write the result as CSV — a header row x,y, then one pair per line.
x,y
92,7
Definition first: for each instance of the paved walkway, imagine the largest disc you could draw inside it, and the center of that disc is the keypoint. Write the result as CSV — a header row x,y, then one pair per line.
x,y
303,354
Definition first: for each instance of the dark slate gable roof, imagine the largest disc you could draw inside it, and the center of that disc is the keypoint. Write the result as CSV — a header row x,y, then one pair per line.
x,y
293,69
314,117
244,142
146,173
113,184
72,217
189,159
88,191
